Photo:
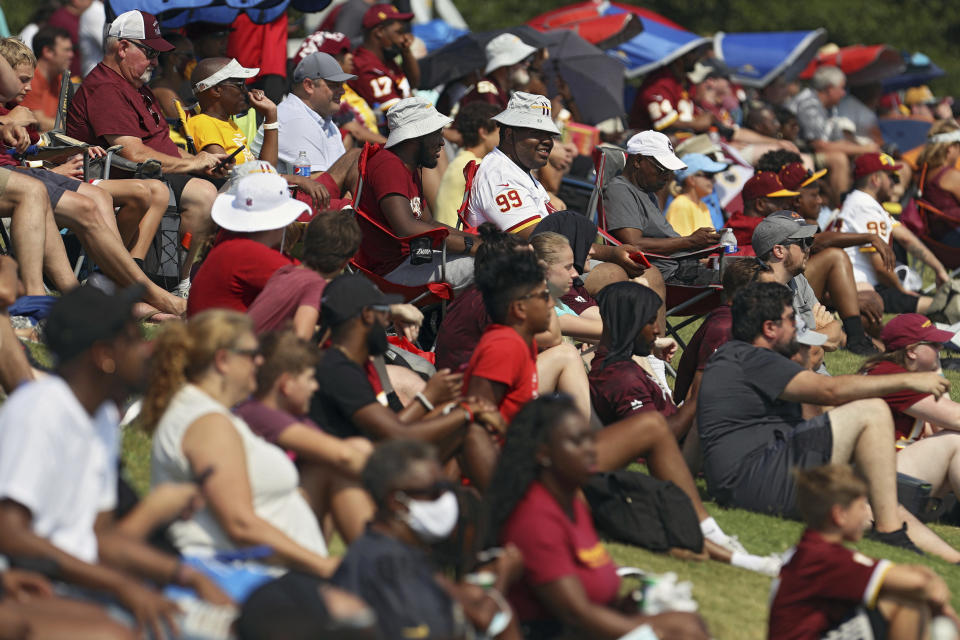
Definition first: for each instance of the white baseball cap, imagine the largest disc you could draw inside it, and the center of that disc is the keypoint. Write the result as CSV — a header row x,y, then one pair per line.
x,y
528,110
657,146
140,26
260,202
232,69
506,49
411,118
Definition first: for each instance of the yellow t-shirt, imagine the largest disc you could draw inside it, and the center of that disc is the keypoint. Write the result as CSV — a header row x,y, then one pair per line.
x,y
207,130
452,184
686,216
353,99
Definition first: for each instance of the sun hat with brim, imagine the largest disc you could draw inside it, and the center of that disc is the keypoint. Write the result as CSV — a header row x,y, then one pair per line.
x,y
911,328
505,50
796,176
698,162
261,202
654,144
140,26
765,184
529,111
232,69
248,168
411,118
777,228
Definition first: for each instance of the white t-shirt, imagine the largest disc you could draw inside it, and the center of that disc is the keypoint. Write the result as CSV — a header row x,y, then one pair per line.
x,y
274,481
506,195
861,213
302,129
59,462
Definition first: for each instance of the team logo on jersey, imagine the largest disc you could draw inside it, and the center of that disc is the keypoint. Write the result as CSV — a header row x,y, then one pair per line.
x,y
416,207
636,404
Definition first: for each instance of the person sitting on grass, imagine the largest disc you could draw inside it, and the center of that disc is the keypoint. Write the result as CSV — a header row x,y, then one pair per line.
x,y
277,412
293,292
826,590
752,431
570,586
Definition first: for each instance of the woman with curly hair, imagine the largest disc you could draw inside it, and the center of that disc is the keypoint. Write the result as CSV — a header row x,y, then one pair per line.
x,y
940,180
570,584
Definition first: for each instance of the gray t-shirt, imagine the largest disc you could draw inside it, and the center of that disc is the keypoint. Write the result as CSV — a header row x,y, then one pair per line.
x,y
862,116
803,299
627,205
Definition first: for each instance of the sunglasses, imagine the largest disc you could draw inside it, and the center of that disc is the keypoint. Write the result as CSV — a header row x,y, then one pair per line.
x,y
660,169
248,353
543,295
803,243
239,85
149,52
148,101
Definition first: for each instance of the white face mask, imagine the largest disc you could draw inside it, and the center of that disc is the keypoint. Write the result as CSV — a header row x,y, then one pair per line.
x,y
432,520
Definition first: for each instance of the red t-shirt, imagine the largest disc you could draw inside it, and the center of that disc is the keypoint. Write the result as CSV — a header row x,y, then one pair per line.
x,y
715,331
553,547
386,175
906,428
621,389
378,82
262,46
743,227
461,330
288,289
661,102
106,104
819,586
502,356
232,276
42,96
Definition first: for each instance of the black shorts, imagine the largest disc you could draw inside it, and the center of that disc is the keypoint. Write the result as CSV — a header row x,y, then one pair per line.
x,y
178,182
766,483
896,301
860,624
55,183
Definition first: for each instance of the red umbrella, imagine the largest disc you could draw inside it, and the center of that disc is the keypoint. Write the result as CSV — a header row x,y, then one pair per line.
x,y
862,64
592,21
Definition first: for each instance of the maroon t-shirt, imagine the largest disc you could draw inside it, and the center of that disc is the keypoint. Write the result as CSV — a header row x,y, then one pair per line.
x,y
502,356
821,583
461,329
906,428
269,423
554,547
621,389
71,22
288,289
386,175
106,104
234,273
714,331
7,160
578,299
377,82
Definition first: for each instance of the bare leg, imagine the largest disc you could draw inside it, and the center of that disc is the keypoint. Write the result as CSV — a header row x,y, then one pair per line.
x,y
344,171
59,618
195,202
935,460
342,497
142,205
560,368
601,275
406,383
25,201
479,457
829,271
14,367
907,620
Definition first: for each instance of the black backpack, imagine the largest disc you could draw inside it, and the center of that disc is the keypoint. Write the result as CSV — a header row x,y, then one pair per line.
x,y
637,509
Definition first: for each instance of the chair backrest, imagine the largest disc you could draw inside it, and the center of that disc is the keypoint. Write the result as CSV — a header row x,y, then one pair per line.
x,y
469,173
608,163
63,102
368,151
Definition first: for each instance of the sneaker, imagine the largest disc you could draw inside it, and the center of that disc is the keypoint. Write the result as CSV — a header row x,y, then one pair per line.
x,y
898,538
862,347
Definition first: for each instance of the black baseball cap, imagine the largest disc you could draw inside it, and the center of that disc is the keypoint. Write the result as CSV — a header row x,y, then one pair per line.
x,y
345,297
87,315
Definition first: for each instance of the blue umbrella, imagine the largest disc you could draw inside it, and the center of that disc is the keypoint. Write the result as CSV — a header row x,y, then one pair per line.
x,y
177,13
757,58
659,44
920,70
436,33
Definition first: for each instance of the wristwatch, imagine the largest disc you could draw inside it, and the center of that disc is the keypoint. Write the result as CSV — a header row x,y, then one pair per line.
x,y
467,244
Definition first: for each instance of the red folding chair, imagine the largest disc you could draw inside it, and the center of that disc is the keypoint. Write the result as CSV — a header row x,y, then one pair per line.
x,y
422,295
469,173
921,227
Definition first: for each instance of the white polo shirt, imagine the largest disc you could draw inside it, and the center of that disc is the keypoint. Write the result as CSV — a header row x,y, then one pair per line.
x,y
303,129
505,194
861,213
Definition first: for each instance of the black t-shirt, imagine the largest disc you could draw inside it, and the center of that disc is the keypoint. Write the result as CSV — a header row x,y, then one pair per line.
x,y
344,389
739,411
397,581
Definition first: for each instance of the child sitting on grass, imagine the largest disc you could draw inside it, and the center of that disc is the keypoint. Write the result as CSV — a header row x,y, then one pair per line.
x,y
826,590
329,466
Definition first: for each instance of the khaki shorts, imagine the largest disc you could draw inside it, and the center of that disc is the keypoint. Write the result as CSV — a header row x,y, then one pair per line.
x,y
4,177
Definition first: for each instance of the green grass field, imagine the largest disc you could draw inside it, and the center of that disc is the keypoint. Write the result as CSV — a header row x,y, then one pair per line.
x,y
733,601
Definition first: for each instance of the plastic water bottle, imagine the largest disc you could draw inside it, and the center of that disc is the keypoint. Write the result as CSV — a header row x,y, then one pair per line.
x,y
302,166
729,241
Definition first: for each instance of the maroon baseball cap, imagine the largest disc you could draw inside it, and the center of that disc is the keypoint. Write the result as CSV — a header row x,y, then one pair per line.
x,y
140,26
765,184
380,13
911,328
795,175
869,163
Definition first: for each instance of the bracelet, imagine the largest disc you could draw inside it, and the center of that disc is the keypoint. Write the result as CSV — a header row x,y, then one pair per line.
x,y
271,126
423,400
467,411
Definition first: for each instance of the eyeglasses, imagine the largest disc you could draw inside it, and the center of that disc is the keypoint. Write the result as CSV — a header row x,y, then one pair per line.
x,y
543,295
660,169
149,52
251,353
432,492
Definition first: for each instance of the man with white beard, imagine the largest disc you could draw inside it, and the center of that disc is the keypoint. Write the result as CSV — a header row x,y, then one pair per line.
x,y
508,58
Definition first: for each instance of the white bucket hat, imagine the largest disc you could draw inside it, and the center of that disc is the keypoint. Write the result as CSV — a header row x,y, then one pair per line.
x,y
656,145
530,111
504,50
261,202
232,69
411,118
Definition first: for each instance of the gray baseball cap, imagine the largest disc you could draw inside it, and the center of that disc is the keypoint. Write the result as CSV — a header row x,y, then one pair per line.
x,y
780,226
320,65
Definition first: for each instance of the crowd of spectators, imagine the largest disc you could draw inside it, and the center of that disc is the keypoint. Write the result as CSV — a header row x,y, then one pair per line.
x,y
386,326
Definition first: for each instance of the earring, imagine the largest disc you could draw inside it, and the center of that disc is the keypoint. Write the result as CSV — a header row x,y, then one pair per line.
x,y
109,366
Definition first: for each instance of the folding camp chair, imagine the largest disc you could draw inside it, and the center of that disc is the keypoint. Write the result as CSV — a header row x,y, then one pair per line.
x,y
422,295
687,302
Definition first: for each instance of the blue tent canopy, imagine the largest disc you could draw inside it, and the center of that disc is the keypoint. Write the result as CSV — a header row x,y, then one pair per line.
x,y
757,58
659,44
177,13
